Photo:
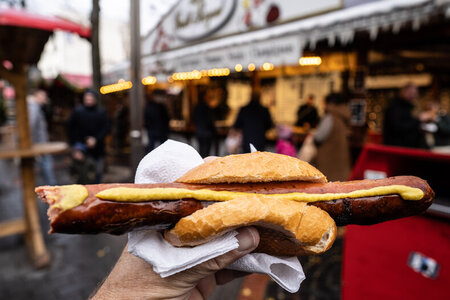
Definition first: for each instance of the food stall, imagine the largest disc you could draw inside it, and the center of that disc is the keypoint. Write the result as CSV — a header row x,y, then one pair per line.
x,y
23,36
295,50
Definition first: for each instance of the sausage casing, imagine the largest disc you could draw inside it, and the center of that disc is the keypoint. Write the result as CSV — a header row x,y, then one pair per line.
x,y
95,215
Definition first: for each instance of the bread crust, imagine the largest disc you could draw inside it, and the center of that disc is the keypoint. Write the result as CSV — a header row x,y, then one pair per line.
x,y
286,227
253,167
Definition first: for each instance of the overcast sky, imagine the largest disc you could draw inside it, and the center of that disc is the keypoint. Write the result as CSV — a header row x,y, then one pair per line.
x,y
151,10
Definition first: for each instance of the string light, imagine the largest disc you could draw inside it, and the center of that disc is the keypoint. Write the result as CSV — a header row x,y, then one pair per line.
x,y
238,67
117,87
149,80
310,61
251,67
216,72
267,66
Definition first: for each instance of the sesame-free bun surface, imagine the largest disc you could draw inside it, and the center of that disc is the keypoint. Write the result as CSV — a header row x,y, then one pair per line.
x,y
253,167
287,228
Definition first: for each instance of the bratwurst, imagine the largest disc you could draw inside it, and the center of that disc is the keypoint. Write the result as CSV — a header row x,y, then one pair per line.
x,y
97,212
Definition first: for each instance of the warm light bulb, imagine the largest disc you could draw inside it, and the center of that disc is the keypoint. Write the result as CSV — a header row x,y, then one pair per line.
x,y
310,61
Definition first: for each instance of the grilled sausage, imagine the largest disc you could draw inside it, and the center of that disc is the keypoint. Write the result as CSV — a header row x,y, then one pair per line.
x,y
96,215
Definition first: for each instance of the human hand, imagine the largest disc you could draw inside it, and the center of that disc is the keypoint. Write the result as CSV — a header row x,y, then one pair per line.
x,y
133,278
91,142
427,116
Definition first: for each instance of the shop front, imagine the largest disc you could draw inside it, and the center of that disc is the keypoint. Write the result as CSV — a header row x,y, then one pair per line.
x,y
289,52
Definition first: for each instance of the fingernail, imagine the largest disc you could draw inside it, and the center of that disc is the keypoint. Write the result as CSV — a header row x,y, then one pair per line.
x,y
246,239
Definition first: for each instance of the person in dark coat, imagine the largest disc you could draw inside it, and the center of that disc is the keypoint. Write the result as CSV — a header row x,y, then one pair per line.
x,y
307,114
442,136
254,120
400,126
121,127
87,128
156,120
205,130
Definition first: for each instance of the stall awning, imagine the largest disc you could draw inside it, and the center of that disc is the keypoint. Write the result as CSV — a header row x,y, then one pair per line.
x,y
291,37
23,34
75,81
21,18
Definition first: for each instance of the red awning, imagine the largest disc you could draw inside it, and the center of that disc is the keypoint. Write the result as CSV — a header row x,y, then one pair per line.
x,y
74,81
21,18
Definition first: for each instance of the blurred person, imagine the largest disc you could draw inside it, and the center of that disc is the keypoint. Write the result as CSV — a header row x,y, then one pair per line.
x,y
437,128
307,114
442,136
121,126
285,143
133,278
233,141
400,126
87,128
253,120
331,139
156,120
3,114
205,130
38,125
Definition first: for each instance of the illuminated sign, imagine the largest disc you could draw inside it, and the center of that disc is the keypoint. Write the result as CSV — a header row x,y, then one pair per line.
x,y
197,19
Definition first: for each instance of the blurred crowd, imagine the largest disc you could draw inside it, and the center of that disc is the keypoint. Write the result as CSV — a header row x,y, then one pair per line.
x,y
322,140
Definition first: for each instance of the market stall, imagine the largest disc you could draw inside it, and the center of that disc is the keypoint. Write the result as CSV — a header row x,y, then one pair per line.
x,y
23,36
296,50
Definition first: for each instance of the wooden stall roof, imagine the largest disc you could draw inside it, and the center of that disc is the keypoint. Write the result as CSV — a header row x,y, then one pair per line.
x,y
23,34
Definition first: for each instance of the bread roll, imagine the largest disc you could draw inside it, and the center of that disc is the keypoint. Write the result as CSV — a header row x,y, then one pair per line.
x,y
286,227
253,167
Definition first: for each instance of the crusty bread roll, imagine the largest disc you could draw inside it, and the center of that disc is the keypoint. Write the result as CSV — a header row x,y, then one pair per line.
x,y
286,227
253,167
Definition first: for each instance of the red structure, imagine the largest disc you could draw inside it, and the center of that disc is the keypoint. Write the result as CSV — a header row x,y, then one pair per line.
x,y
407,258
21,18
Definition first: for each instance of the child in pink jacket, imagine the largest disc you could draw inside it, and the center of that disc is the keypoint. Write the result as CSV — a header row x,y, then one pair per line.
x,y
285,144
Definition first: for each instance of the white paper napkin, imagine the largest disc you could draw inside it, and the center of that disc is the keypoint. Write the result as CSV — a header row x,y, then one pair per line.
x,y
166,164
168,260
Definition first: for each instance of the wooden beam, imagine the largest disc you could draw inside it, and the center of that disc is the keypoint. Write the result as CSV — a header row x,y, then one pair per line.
x,y
12,227
33,235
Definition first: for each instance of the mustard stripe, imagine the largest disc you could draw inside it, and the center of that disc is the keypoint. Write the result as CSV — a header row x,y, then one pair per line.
x,y
125,194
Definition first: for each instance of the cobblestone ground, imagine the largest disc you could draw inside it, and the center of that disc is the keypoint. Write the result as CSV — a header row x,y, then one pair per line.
x,y
79,262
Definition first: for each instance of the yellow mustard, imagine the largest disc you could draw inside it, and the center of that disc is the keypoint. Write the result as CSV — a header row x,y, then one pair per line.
x,y
70,196
125,194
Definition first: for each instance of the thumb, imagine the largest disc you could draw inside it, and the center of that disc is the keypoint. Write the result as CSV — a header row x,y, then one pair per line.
x,y
248,238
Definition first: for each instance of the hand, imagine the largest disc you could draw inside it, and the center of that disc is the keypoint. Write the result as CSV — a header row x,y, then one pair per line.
x,y
91,142
427,116
133,278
